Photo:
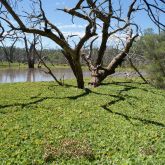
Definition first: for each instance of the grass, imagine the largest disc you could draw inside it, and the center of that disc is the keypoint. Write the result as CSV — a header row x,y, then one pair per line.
x,y
120,122
5,65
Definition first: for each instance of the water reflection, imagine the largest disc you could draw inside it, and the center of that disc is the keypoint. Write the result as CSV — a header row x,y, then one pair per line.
x,y
32,75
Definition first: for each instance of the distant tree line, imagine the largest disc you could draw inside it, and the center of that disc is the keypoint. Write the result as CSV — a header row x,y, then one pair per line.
x,y
19,55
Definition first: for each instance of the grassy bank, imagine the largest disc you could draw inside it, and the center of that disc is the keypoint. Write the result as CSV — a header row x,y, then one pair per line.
x,y
5,65
117,123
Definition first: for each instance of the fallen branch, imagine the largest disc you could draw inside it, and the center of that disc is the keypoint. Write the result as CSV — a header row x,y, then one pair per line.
x,y
49,70
134,67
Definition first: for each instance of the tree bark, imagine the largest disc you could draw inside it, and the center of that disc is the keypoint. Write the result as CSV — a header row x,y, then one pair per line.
x,y
30,53
79,75
30,63
31,56
76,67
99,73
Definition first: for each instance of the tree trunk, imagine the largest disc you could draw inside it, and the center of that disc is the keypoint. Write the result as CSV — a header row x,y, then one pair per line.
x,y
99,73
30,53
30,63
31,56
79,75
97,77
76,68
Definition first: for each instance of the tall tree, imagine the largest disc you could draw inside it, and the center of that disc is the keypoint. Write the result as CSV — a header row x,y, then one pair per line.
x,y
113,22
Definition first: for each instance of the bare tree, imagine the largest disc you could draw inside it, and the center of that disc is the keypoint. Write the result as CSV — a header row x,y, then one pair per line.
x,y
30,50
113,22
1,32
42,62
33,54
9,50
9,37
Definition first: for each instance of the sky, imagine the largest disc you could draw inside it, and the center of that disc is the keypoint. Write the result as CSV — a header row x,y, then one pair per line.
x,y
65,24
64,21
50,7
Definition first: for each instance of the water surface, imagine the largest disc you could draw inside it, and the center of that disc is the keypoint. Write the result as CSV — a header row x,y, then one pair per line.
x,y
11,75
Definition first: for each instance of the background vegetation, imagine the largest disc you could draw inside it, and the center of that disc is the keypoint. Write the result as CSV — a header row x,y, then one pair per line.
x,y
151,47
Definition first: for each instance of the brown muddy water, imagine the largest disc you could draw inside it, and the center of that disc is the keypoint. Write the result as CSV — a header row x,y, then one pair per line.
x,y
11,75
